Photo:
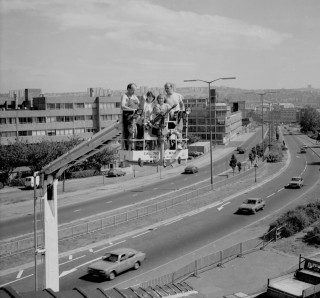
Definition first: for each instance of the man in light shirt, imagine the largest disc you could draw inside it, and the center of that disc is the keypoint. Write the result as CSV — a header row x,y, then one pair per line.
x,y
174,98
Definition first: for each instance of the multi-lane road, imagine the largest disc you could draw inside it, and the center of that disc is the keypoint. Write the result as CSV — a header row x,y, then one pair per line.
x,y
176,243
24,224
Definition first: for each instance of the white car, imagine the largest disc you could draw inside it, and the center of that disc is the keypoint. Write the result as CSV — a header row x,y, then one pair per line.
x,y
116,262
296,182
252,205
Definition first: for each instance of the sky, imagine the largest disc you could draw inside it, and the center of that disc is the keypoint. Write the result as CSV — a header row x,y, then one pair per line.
x,y
71,45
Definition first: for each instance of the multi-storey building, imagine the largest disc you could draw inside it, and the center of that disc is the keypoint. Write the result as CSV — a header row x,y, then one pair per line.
x,y
225,121
56,117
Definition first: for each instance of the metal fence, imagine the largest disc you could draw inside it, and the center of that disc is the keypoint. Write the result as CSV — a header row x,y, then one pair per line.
x,y
211,261
22,245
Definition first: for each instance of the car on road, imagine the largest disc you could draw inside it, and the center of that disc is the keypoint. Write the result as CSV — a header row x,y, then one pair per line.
x,y
303,150
296,182
191,169
115,173
252,205
241,150
116,262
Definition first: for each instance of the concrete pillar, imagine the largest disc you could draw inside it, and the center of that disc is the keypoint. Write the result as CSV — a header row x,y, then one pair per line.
x,y
51,234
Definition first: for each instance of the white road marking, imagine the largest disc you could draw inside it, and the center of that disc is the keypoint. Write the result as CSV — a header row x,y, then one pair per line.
x,y
108,202
72,260
221,207
172,222
64,273
140,234
271,195
15,280
77,210
20,273
111,244
280,189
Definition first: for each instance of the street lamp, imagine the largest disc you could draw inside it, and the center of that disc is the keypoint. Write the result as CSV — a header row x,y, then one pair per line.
x,y
215,127
261,95
255,172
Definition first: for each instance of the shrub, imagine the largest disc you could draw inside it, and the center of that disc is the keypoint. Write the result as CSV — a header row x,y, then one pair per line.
x,y
83,174
1,185
313,236
274,157
17,182
298,219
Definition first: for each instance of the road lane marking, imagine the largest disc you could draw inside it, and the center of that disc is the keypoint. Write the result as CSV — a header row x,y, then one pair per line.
x,y
10,282
77,210
111,244
281,189
222,206
172,222
108,202
70,260
64,273
19,274
271,195
140,234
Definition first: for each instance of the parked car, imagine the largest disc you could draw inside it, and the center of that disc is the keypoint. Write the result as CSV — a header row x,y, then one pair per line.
x,y
195,153
191,169
115,173
252,205
29,181
115,262
296,182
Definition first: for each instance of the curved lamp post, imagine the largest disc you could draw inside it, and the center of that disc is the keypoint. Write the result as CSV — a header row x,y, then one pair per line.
x,y
210,82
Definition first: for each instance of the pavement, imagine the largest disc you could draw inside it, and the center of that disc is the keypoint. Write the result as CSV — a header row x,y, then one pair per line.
x,y
247,274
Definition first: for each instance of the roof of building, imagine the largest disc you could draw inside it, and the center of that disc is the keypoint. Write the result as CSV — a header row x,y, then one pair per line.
x,y
181,289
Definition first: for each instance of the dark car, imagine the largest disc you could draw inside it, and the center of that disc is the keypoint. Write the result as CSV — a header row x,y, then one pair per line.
x,y
195,153
115,173
241,150
191,169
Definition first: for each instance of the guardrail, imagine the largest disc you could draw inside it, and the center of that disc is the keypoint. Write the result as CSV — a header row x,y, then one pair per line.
x,y
211,261
26,244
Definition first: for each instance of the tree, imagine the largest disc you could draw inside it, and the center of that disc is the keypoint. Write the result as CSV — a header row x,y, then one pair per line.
x,y
310,120
239,165
233,162
104,157
251,157
11,157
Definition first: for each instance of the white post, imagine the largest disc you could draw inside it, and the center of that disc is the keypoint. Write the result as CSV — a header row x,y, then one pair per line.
x,y
51,233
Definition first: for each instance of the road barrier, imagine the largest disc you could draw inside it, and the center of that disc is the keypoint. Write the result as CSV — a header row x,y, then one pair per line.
x,y
26,244
211,261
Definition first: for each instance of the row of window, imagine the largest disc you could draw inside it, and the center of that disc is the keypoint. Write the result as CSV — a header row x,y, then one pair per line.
x,y
81,105
51,119
50,132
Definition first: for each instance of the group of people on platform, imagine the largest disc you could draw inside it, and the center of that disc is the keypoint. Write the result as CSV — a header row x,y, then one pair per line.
x,y
160,116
